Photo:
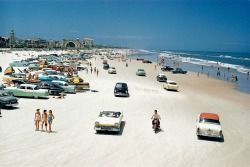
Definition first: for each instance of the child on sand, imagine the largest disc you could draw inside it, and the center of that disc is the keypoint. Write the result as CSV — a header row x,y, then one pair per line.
x,y
50,118
44,119
37,118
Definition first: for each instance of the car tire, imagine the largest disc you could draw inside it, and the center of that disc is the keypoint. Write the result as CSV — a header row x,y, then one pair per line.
x,y
98,131
35,97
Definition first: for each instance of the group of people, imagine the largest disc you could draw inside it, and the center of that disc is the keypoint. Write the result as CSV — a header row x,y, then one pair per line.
x,y
43,120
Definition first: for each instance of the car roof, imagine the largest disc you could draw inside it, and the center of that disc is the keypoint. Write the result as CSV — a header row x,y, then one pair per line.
x,y
170,81
31,85
209,116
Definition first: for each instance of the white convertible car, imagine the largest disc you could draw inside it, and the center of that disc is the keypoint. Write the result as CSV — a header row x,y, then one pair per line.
x,y
208,125
108,121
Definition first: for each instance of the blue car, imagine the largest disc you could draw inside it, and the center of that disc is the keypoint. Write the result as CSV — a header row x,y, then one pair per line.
x,y
21,63
52,78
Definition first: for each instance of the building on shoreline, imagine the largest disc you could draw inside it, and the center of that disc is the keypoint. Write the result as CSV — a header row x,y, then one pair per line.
x,y
13,42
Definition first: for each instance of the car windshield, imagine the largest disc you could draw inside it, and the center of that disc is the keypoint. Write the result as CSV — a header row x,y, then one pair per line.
x,y
5,94
121,85
209,121
110,114
172,83
141,70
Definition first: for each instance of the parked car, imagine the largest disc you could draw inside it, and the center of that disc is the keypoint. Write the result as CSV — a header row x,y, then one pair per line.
x,y
108,121
104,62
52,88
33,67
22,63
67,88
208,124
28,90
121,89
13,76
170,85
178,71
166,68
141,72
105,66
112,70
7,99
79,83
161,78
52,78
146,61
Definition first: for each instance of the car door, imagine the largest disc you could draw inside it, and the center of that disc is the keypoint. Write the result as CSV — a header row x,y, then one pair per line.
x,y
29,91
20,91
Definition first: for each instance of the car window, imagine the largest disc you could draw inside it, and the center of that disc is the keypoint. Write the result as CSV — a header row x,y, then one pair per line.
x,y
22,87
29,88
5,94
36,88
209,121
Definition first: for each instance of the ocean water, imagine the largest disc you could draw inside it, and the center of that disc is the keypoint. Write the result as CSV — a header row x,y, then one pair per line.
x,y
229,64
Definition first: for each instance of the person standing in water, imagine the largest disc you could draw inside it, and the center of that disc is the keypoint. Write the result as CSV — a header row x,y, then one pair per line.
x,y
50,119
37,118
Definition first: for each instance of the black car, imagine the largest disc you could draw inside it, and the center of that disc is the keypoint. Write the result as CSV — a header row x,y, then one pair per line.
x,y
146,61
52,88
105,66
161,78
7,99
166,68
179,71
121,89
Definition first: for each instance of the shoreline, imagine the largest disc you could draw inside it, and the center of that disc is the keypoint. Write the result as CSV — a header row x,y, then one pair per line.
x,y
76,143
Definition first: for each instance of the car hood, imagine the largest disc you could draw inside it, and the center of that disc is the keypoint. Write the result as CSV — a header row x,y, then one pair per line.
x,y
107,120
212,127
8,98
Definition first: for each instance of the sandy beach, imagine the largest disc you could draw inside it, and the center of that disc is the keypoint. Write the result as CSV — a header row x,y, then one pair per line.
x,y
74,141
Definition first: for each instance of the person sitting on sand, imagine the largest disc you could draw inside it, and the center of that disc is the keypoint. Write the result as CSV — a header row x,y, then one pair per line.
x,y
50,118
61,96
44,119
37,118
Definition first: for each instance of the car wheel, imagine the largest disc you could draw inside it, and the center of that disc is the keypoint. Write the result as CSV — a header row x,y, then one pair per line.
x,y
35,97
97,131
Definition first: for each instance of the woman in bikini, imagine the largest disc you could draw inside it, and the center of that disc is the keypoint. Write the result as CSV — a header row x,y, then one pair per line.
x,y
37,118
44,119
50,118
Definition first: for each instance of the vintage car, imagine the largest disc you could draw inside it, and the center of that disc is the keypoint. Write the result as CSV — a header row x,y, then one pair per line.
x,y
105,66
121,89
52,78
178,71
13,76
166,68
108,121
67,88
52,88
141,72
146,61
22,63
208,124
170,85
161,78
79,83
112,70
7,99
28,90
33,67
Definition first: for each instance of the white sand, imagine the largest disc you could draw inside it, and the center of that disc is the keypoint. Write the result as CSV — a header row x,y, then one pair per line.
x,y
75,143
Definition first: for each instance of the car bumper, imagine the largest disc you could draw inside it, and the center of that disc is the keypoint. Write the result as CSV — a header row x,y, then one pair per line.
x,y
210,135
121,94
11,104
111,129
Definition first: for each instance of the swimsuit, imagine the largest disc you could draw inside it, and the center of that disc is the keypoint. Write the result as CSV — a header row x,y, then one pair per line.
x,y
38,117
50,119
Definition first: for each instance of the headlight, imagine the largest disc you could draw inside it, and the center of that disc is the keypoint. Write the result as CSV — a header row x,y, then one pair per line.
x,y
97,123
116,124
220,132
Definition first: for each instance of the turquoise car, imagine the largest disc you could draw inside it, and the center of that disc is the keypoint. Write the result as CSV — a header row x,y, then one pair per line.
x,y
28,90
52,78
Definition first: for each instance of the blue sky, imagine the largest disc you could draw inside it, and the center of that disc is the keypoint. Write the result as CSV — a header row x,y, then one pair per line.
x,y
197,25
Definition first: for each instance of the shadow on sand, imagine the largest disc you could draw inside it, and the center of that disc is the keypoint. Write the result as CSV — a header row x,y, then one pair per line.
x,y
123,123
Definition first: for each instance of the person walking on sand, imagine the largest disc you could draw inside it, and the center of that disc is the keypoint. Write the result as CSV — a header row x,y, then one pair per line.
x,y
50,119
44,119
91,69
97,72
37,118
